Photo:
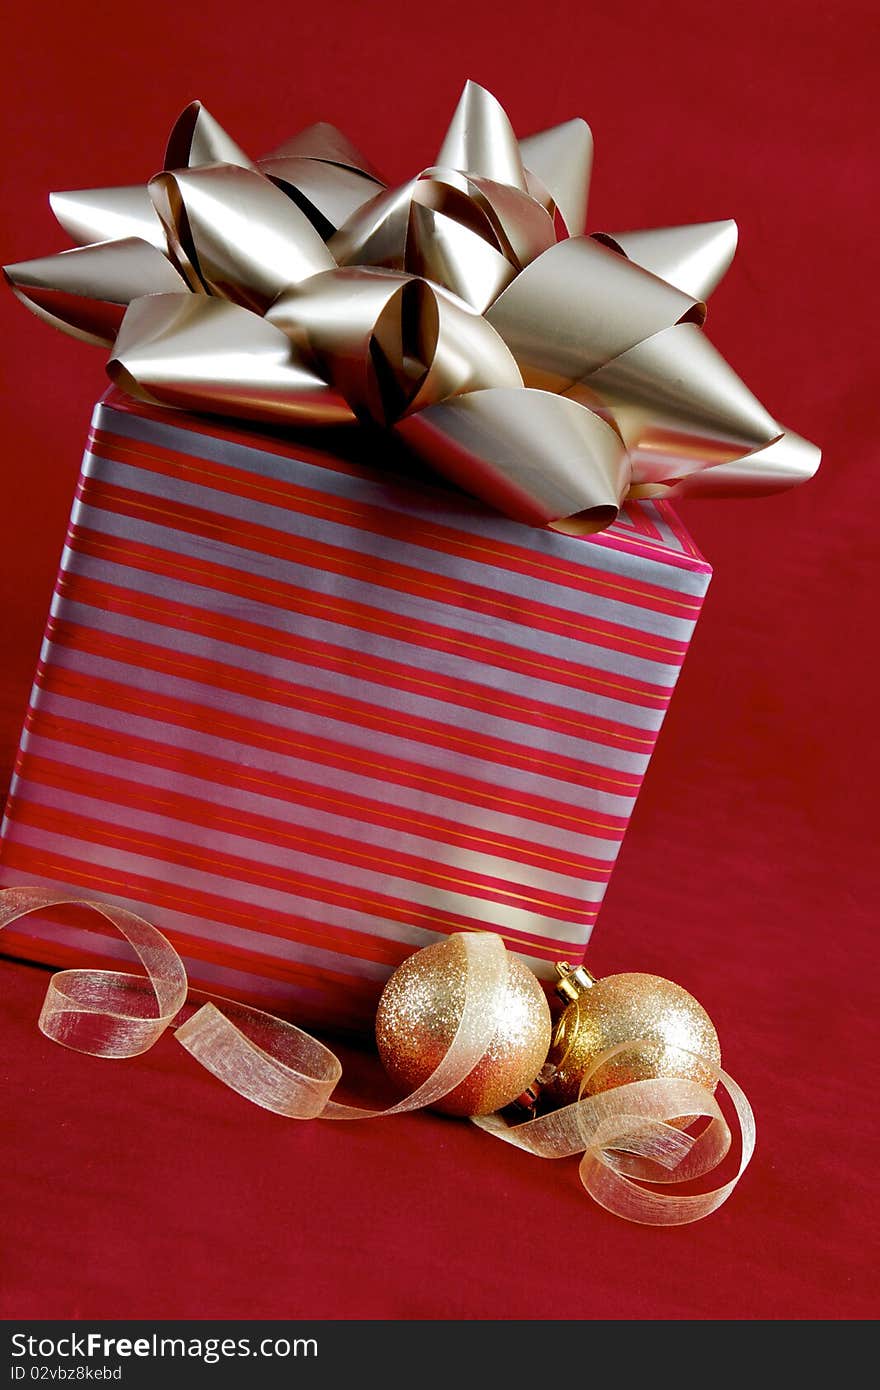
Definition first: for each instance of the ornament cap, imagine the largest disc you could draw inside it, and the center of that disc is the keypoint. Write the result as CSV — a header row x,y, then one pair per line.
x,y
573,980
526,1104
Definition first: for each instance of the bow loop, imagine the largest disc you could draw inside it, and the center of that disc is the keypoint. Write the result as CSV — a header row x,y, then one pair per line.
x,y
514,222
559,162
92,215
197,139
324,173
480,139
391,343
578,307
196,353
235,234
694,258
85,291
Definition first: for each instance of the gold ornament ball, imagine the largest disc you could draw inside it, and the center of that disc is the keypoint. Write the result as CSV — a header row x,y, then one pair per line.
x,y
623,1008
418,1016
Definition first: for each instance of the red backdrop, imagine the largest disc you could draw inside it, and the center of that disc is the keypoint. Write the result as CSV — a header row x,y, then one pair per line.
x,y
144,1188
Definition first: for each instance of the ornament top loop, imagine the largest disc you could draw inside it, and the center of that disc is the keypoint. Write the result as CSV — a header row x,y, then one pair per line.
x,y
573,980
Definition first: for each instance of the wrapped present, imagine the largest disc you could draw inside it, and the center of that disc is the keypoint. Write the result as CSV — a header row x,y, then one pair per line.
x,y
310,713
386,661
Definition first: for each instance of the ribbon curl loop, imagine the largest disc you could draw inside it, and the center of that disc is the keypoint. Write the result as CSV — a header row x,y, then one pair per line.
x,y
606,327
629,1136
106,1013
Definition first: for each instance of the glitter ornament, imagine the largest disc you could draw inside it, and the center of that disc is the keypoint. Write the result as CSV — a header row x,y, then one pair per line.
x,y
674,1035
418,1016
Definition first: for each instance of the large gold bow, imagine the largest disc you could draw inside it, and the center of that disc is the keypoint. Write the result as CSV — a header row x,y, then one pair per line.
x,y
548,372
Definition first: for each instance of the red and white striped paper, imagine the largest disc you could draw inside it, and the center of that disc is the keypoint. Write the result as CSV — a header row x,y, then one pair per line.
x,y
307,715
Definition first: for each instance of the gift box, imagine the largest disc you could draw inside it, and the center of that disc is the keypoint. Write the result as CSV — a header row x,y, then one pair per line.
x,y
377,651
308,712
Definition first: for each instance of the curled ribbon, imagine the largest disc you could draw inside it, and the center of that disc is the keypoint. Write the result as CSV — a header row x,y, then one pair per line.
x,y
626,1135
550,373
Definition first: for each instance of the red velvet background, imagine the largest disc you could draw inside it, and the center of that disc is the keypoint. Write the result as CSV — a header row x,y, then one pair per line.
x,y
145,1189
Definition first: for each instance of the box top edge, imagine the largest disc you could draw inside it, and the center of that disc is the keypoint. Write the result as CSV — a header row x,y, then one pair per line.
x,y
650,529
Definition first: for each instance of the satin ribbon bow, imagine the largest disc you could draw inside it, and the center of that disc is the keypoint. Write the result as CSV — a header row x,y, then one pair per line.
x,y
550,373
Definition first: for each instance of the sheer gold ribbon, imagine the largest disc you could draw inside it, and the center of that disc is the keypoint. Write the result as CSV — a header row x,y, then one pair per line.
x,y
550,377
625,1135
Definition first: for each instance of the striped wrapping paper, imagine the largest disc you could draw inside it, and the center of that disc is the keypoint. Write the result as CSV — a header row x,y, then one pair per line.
x,y
306,714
